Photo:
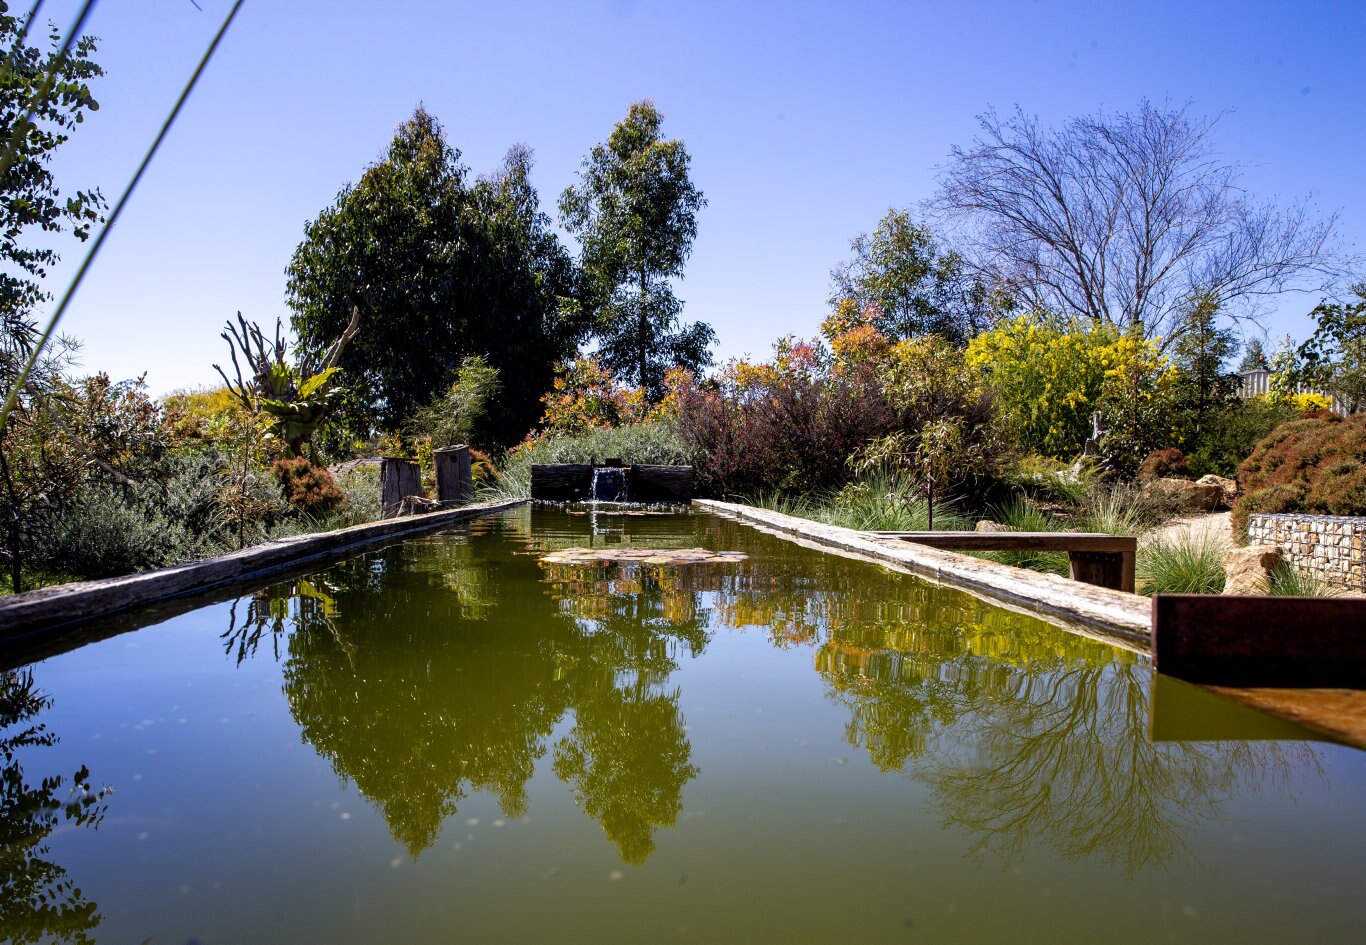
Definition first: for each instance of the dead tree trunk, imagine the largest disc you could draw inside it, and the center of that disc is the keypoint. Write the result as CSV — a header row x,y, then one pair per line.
x,y
398,479
454,476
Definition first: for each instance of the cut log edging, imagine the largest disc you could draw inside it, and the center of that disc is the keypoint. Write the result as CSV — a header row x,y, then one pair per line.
x,y
1113,617
54,608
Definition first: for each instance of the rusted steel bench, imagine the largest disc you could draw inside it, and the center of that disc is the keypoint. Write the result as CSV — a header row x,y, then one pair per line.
x,y
1099,559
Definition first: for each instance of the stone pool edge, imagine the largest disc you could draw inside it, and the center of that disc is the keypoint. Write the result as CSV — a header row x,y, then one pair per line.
x,y
1114,617
64,605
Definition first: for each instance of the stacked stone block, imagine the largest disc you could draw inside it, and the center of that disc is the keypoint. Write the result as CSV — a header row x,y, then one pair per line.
x,y
1329,547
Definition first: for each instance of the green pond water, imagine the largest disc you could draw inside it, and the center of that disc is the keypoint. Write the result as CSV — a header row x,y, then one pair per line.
x,y
448,741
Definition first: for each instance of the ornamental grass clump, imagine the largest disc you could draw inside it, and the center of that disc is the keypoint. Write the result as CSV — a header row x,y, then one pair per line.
x,y
1316,465
1189,562
1289,581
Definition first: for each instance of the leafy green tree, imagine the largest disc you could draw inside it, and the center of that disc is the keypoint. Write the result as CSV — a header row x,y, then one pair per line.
x,y
440,268
1254,357
30,200
1334,357
1199,353
919,287
635,214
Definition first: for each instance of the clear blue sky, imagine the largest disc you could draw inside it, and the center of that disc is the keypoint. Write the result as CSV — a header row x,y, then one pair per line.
x,y
806,122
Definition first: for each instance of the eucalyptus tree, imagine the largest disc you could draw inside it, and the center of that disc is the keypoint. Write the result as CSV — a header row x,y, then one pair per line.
x,y
441,268
918,285
634,212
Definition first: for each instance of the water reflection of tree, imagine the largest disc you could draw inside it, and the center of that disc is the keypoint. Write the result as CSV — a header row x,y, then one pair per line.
x,y
421,699
39,901
1029,736
1039,738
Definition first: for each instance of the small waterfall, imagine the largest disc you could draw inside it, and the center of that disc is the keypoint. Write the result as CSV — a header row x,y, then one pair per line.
x,y
609,484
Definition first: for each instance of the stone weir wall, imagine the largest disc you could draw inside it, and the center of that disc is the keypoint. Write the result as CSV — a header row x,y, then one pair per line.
x,y
1331,548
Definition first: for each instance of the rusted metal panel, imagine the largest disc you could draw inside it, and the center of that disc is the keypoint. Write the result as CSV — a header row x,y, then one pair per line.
x,y
1261,641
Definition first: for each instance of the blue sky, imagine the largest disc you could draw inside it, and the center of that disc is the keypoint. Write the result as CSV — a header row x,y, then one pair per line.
x,y
806,122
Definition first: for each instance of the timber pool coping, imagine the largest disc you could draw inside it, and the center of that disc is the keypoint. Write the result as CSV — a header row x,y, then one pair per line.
x,y
50,609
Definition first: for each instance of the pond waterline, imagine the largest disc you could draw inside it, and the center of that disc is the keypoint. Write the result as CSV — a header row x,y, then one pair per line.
x,y
446,738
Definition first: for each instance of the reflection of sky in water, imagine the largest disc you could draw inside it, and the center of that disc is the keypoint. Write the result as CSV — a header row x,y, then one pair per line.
x,y
450,739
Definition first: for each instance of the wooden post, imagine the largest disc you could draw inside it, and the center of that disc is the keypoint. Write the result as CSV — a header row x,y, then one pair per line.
x,y
454,479
1114,570
397,478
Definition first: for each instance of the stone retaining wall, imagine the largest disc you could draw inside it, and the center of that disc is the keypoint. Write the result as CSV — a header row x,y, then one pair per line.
x,y
1329,547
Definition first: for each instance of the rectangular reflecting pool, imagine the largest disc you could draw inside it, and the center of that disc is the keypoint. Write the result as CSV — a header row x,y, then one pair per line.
x,y
450,739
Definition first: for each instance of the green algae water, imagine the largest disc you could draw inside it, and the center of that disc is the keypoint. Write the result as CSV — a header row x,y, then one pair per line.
x,y
450,740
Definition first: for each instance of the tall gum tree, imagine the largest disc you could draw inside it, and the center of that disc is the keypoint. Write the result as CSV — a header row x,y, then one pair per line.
x,y
634,212
441,268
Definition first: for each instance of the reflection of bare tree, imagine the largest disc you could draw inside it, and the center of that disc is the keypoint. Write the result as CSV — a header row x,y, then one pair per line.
x,y
1062,758
1039,737
38,900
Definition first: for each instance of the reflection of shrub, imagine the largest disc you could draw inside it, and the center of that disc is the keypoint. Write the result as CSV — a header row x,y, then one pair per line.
x,y
1163,464
1316,465
308,488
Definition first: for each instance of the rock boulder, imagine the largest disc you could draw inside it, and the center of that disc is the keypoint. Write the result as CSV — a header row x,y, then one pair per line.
x,y
1247,570
1228,487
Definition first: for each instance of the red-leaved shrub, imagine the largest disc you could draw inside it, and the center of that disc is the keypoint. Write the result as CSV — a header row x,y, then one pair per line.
x,y
1163,464
1316,465
308,488
785,428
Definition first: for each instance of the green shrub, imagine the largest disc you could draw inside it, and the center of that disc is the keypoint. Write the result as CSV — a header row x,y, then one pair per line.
x,y
1315,465
110,531
1232,430
308,488
1190,562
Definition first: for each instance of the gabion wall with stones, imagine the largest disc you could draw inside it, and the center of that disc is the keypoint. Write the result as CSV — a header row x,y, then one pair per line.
x,y
1331,548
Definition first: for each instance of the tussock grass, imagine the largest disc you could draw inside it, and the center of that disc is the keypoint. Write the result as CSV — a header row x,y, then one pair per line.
x,y
1190,562
1289,581
878,503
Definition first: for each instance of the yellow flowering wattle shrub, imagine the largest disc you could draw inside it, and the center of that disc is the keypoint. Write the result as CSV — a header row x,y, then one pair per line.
x,y
1049,379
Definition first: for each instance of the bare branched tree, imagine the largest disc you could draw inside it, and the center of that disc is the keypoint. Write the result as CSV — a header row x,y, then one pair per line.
x,y
1125,218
